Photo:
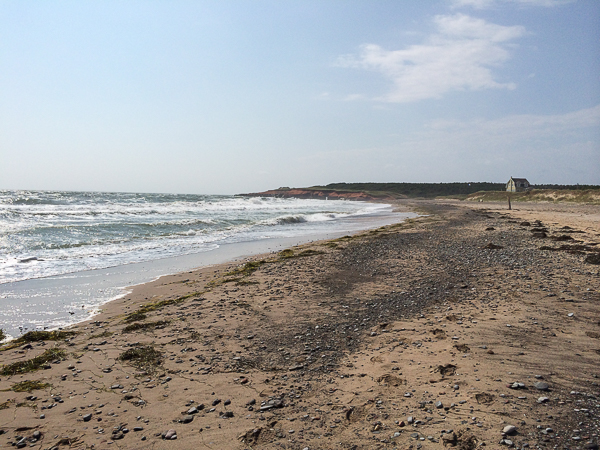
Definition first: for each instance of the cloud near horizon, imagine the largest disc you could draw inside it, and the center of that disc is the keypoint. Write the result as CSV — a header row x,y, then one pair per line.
x,y
460,56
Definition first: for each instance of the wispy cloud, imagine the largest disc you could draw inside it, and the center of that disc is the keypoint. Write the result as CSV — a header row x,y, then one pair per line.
x,y
459,56
485,4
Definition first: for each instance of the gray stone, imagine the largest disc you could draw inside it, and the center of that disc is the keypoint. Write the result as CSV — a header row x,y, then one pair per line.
x,y
509,429
541,386
187,418
171,434
543,400
87,417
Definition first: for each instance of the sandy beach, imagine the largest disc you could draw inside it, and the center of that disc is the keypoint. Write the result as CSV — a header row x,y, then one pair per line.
x,y
471,326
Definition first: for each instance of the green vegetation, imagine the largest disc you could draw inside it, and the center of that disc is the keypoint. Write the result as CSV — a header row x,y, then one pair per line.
x,y
29,386
237,275
32,364
135,317
100,335
567,187
426,190
289,253
590,196
2,335
144,357
247,269
431,190
148,307
38,336
6,404
137,326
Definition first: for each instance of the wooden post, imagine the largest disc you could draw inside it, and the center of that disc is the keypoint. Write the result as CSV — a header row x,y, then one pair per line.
x,y
509,207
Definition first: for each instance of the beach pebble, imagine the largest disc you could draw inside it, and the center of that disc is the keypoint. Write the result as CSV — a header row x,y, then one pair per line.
x,y
87,417
118,435
186,419
541,386
506,442
439,405
509,429
192,410
449,438
169,435
543,400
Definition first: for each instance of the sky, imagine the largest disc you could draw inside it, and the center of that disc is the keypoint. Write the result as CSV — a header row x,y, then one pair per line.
x,y
225,97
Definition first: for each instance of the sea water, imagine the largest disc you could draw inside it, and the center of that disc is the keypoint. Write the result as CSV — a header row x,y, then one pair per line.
x,y
64,254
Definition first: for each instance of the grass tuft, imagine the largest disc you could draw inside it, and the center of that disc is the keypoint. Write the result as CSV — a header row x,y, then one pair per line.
x,y
32,364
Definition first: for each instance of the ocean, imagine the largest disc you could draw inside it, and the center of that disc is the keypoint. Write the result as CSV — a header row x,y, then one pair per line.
x,y
64,254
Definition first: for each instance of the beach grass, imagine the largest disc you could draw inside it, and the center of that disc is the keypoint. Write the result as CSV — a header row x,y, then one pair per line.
x,y
585,196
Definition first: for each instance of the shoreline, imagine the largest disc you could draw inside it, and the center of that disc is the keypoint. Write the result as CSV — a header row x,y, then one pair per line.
x,y
70,293
415,333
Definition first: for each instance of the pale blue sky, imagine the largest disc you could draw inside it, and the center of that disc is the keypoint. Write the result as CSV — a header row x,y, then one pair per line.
x,y
239,96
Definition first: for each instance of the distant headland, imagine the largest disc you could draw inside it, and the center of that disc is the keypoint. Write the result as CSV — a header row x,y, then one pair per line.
x,y
485,191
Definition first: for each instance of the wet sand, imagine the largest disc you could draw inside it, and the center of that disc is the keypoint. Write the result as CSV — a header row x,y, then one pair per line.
x,y
440,331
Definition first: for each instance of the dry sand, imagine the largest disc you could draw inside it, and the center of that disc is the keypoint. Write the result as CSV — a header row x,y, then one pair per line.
x,y
417,335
